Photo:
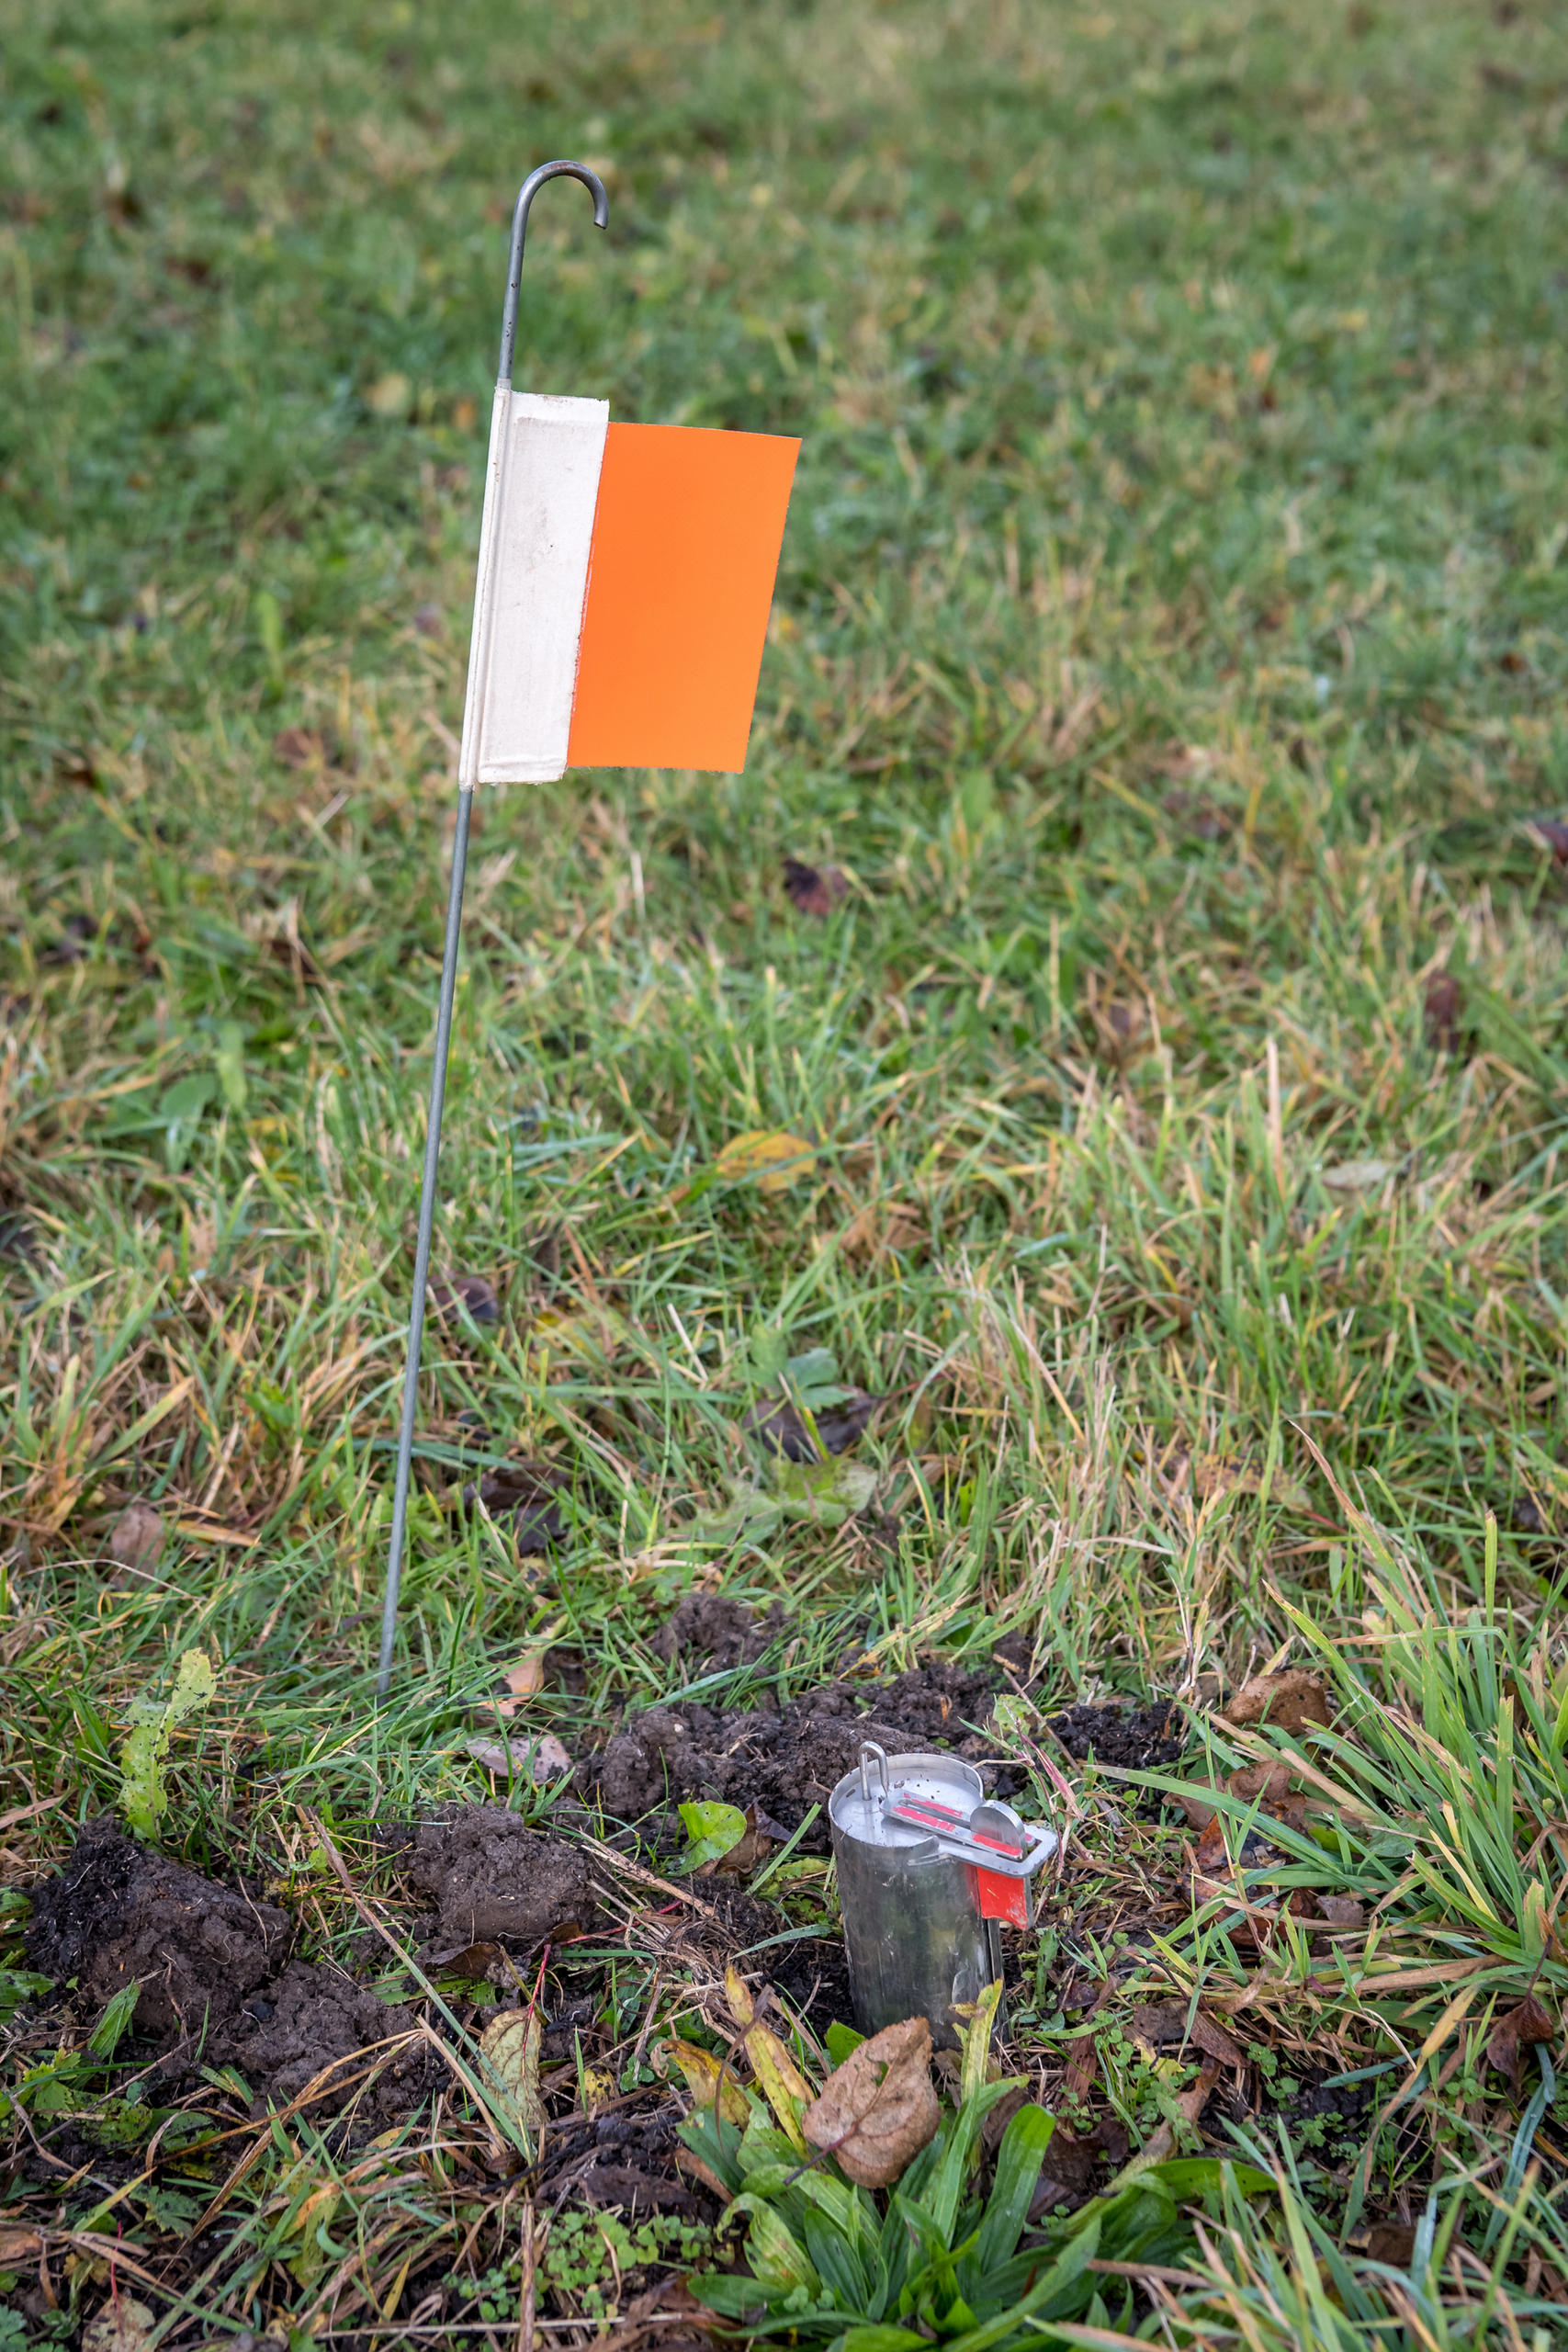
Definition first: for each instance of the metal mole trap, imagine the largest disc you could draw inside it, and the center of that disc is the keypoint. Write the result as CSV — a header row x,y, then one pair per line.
x,y
929,1873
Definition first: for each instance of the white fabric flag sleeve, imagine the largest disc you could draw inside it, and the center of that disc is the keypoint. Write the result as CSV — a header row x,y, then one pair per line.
x,y
541,490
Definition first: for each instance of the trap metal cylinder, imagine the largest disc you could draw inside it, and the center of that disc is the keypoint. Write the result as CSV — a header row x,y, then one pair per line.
x,y
929,1873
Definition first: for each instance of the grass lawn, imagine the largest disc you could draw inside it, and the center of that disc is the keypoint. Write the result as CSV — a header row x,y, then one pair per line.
x,y
1164,688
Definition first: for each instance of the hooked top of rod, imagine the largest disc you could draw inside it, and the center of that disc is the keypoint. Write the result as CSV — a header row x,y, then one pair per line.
x,y
525,195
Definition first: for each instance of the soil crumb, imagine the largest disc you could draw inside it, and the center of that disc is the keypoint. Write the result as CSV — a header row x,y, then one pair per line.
x,y
1135,1738
706,1627
493,1880
784,1759
284,2034
116,1912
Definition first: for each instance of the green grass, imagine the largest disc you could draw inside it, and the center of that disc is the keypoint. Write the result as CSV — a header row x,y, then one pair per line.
x,y
1169,645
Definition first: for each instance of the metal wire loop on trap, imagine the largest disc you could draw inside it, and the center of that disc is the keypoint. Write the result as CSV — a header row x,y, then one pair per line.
x,y
561,169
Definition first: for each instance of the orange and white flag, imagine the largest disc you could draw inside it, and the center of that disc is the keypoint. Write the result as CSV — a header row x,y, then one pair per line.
x,y
624,579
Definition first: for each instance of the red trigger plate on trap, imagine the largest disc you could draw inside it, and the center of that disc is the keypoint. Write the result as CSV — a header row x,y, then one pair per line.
x,y
1002,1897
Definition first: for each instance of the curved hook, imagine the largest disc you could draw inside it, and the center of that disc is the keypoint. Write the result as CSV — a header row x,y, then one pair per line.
x,y
525,195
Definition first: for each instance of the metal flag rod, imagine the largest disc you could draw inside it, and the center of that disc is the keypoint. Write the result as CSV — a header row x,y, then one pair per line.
x,y
479,657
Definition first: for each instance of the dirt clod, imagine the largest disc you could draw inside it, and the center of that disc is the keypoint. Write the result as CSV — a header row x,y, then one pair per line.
x,y
788,1759
493,1880
117,1911
1133,1738
284,2035
707,1626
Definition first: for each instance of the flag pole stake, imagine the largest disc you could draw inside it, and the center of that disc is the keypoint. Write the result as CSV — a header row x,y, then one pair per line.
x,y
477,656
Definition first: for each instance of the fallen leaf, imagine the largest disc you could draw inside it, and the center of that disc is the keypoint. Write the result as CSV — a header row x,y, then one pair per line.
x,y
1224,1473
814,889
526,1491
1519,2029
1357,1175
450,1295
1391,2241
1212,1851
599,2088
753,1846
525,1681
511,2043
20,2246
1083,2065
786,1429
1289,1701
1272,1783
1553,834
709,2081
771,1155
1197,814
878,2109
882,1228
713,1829
1189,2104
778,2078
1320,1913
1214,2041
470,1960
136,1539
537,1760
299,747
1441,1007
388,396
1068,2176
122,2325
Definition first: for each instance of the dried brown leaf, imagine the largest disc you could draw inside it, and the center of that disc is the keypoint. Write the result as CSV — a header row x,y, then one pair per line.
x,y
136,1539
470,1960
1519,2029
1288,1700
814,889
881,1229
1553,834
452,1293
878,2109
525,1681
299,747
1214,2041
1271,1783
122,2325
1441,1008
510,2042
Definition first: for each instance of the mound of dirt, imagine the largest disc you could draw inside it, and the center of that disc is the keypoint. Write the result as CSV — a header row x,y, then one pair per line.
x,y
786,1759
709,1628
1133,1739
283,2036
118,1912
493,1880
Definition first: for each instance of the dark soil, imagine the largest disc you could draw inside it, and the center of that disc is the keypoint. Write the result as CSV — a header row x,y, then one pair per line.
x,y
1133,1739
526,1492
283,2036
117,1912
707,1628
783,1430
784,1760
493,1880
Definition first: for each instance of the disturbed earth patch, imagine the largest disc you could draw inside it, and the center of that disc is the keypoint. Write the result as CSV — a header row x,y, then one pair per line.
x,y
784,1759
120,1912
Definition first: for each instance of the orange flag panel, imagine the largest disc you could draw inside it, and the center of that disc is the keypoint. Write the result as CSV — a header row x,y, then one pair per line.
x,y
686,538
